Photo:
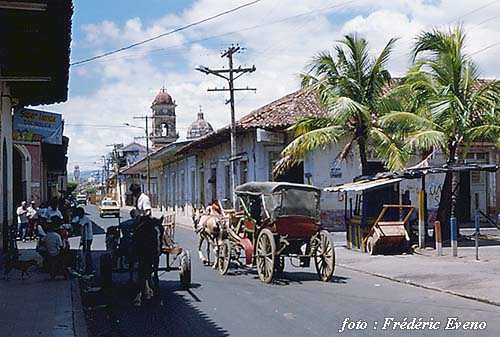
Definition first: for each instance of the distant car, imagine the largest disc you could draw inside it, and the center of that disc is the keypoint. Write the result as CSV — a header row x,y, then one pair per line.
x,y
109,207
81,199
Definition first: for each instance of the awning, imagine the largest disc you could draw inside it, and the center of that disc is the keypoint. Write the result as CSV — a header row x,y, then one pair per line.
x,y
363,185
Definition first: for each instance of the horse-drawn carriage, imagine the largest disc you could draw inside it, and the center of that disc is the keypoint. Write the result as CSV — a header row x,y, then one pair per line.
x,y
122,243
279,220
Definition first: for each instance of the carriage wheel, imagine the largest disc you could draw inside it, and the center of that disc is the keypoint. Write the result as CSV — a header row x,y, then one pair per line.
x,y
224,257
324,258
185,270
370,246
266,251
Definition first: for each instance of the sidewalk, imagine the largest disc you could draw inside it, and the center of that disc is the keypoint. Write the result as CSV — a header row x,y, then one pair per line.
x,y
462,276
39,307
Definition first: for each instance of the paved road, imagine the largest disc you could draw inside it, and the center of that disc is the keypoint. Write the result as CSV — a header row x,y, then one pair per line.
x,y
298,305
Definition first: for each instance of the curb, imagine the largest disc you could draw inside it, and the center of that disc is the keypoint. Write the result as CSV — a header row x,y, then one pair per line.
x,y
79,323
419,285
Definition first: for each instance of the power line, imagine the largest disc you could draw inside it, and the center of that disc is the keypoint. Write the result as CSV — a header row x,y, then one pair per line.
x,y
460,17
485,48
211,37
474,10
166,33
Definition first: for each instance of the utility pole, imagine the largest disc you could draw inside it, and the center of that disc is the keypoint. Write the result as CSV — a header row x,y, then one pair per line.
x,y
230,78
146,129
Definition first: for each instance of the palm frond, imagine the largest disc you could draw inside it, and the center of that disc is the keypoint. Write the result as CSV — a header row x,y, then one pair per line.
x,y
312,140
426,140
379,76
407,121
389,149
307,124
487,132
344,109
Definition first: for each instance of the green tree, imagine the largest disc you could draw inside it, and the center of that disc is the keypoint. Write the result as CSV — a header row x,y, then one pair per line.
x,y
446,105
71,187
350,86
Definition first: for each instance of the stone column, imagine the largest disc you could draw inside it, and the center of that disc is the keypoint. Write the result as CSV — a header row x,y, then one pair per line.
x,y
6,195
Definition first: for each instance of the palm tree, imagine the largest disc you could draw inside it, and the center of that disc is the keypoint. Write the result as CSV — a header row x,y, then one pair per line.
x,y
350,87
447,106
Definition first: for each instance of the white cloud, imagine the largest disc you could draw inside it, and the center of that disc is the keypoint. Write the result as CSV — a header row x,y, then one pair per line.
x,y
126,83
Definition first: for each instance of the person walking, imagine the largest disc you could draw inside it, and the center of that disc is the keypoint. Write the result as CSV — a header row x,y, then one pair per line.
x,y
22,221
86,239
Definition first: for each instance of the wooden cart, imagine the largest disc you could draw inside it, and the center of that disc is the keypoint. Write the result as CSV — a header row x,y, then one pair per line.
x,y
389,234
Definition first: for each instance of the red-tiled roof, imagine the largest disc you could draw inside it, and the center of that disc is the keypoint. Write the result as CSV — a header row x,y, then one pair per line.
x,y
277,115
283,112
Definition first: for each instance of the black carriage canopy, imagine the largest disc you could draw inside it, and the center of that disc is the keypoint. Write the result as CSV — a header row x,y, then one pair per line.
x,y
282,199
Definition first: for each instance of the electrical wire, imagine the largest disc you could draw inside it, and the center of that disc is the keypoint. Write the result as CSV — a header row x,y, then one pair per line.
x,y
212,37
210,18
485,48
474,11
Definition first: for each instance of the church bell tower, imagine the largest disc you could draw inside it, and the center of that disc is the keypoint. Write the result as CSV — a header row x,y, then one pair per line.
x,y
164,128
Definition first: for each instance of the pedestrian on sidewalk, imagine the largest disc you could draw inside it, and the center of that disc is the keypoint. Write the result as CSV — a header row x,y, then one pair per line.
x,y
22,221
86,239
32,220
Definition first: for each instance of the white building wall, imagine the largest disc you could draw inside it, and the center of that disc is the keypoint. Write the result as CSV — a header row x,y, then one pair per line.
x,y
255,154
320,166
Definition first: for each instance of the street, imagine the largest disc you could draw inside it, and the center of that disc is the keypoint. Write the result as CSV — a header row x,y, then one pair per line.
x,y
297,305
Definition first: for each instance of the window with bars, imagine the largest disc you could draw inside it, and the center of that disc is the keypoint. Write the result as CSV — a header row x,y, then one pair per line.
x,y
243,171
227,180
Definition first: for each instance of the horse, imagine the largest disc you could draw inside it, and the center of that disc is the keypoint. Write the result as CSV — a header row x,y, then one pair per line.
x,y
148,237
209,227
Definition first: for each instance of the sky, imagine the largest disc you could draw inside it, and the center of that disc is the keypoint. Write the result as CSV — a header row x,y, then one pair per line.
x,y
279,36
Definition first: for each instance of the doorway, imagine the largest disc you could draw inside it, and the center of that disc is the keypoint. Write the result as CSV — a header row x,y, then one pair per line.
x,y
18,177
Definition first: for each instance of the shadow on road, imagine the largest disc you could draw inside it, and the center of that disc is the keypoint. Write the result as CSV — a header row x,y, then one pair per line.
x,y
110,313
174,315
288,277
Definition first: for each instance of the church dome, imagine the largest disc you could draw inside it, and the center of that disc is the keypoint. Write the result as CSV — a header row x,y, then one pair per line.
x,y
199,128
163,98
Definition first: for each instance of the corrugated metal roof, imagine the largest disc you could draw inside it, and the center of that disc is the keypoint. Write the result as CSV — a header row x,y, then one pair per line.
x,y
363,185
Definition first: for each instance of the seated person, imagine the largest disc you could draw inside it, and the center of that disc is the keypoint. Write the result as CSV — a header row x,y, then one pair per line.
x,y
213,209
53,244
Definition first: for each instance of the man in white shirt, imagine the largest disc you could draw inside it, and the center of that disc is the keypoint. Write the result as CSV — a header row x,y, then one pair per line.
x,y
22,220
32,220
86,238
143,204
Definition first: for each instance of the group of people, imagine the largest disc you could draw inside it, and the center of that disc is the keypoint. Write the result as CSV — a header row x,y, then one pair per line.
x,y
51,225
32,220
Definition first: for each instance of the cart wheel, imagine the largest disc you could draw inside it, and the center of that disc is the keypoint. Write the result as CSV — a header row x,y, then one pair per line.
x,y
185,270
370,246
266,251
324,259
224,257
280,265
